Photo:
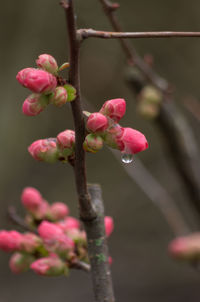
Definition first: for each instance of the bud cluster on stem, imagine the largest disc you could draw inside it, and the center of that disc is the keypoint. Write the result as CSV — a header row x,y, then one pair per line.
x,y
43,82
60,243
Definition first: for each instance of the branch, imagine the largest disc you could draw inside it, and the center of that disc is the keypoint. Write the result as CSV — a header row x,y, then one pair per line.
x,y
91,33
81,266
175,129
12,214
91,209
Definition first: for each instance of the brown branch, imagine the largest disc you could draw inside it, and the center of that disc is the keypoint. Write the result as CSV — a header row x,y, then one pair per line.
x,y
91,33
12,214
90,205
174,127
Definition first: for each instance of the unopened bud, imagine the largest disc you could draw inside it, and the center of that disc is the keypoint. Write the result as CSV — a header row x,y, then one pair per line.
x,y
20,263
186,248
10,241
58,211
49,266
44,150
34,104
93,143
30,242
31,198
112,136
37,80
48,63
69,223
150,94
115,109
59,96
97,122
66,143
132,141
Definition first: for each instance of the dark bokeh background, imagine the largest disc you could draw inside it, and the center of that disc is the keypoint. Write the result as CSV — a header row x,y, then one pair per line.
x,y
142,270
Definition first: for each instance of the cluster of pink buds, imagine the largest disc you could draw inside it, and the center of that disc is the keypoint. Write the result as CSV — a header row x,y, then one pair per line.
x,y
103,127
57,242
44,83
54,149
186,248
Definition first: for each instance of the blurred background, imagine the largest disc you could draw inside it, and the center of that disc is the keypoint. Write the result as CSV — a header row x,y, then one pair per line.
x,y
142,269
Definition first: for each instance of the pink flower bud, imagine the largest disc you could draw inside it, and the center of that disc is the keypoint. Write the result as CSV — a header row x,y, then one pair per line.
x,y
30,242
110,260
48,63
97,122
31,198
59,96
115,109
37,80
66,139
109,225
93,143
58,210
69,223
44,150
10,241
20,263
34,104
49,231
43,211
49,266
132,141
77,236
186,248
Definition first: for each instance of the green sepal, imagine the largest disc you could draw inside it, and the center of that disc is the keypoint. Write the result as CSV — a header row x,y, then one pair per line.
x,y
71,92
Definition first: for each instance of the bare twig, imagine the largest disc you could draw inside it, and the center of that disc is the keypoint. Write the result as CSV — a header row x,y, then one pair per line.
x,y
81,266
12,214
90,205
193,106
91,33
176,130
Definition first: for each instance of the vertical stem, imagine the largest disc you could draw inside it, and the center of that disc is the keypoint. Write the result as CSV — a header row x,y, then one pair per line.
x,y
91,206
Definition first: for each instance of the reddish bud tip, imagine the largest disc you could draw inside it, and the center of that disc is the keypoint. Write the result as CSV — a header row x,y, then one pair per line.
x,y
58,211
44,150
59,97
109,225
48,63
132,141
34,104
115,109
97,122
31,198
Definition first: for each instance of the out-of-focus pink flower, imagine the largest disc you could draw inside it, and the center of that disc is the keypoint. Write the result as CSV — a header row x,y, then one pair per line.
x,y
66,139
93,143
30,242
37,80
59,96
69,223
49,231
31,198
43,211
97,122
110,260
186,247
20,263
58,210
34,104
49,266
10,241
115,109
109,225
132,141
48,63
44,150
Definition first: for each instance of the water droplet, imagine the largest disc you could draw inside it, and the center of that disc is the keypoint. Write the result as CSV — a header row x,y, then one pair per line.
x,y
127,158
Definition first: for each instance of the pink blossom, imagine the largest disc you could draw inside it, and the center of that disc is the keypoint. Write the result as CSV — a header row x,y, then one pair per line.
x,y
69,223
49,231
109,225
43,210
66,139
30,242
20,263
132,141
10,241
37,80
185,247
48,63
31,198
97,122
34,104
58,210
44,150
49,266
59,97
115,109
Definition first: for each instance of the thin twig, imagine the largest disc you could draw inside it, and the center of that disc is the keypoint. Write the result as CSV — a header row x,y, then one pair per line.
x,y
12,214
91,33
81,266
